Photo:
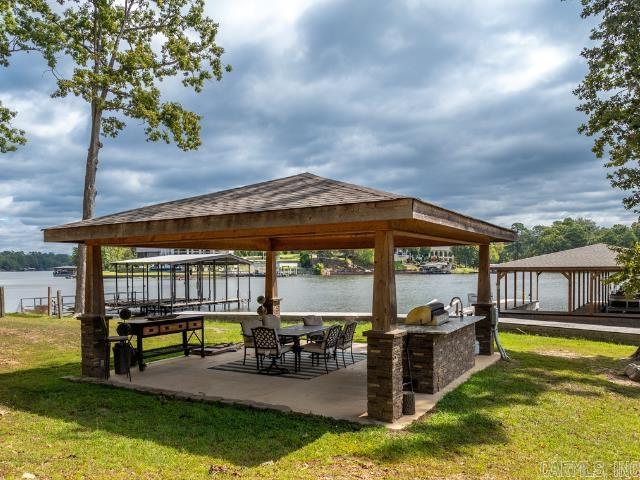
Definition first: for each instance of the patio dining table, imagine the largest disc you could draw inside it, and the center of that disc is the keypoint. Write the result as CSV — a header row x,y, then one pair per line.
x,y
296,332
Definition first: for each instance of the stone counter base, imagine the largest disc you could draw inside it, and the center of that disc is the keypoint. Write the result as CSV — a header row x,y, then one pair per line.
x,y
437,360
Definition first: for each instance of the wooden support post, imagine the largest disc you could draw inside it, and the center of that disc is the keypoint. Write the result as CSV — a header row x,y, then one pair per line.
x,y
590,293
569,277
384,310
506,290
59,302
498,298
94,327
384,343
238,284
271,283
49,301
484,328
580,297
515,288
2,311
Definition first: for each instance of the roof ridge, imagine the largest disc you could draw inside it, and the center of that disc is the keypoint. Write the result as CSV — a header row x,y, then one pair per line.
x,y
226,195
361,188
203,195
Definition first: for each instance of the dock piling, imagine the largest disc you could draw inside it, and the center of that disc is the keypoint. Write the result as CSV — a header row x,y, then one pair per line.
x,y
49,301
59,301
2,312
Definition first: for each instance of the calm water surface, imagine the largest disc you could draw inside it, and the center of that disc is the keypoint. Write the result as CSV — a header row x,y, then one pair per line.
x,y
304,293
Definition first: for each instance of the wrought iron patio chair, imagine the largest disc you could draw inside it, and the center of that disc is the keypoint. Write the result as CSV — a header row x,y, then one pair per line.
x,y
268,345
326,348
313,320
274,321
345,342
247,337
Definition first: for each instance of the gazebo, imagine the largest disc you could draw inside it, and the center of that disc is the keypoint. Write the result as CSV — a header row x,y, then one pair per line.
x,y
301,212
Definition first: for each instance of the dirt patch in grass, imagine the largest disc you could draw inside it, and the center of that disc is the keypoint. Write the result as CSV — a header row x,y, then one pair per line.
x,y
8,362
563,354
620,379
49,334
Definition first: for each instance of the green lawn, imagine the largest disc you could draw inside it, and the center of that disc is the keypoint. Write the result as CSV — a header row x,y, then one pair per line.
x,y
558,400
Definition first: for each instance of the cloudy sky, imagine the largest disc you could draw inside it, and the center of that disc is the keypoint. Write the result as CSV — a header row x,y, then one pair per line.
x,y
466,104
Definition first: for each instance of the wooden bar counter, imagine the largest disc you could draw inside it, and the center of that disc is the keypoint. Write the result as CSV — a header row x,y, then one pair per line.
x,y
439,354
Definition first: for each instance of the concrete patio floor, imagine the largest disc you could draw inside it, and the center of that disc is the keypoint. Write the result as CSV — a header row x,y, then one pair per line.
x,y
341,394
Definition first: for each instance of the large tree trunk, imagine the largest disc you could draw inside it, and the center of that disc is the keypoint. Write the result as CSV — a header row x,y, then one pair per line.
x,y
88,203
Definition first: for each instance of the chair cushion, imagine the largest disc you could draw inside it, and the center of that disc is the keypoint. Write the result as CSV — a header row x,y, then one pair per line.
x,y
271,321
312,320
314,348
272,352
248,324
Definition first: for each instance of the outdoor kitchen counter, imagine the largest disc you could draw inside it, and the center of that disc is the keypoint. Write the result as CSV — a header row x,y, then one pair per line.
x,y
439,353
454,324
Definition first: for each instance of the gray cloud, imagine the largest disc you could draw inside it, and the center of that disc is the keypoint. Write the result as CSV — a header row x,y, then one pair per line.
x,y
466,104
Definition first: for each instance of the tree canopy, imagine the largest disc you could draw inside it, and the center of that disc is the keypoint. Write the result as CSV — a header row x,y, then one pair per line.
x,y
12,261
560,235
10,137
119,51
610,91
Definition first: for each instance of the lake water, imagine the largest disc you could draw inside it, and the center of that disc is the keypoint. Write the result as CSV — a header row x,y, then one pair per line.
x,y
350,293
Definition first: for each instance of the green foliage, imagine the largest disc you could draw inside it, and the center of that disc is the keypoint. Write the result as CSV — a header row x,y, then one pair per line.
x,y
249,253
115,254
629,277
305,259
610,92
540,239
119,52
465,255
563,235
420,254
363,258
318,268
495,252
16,261
10,137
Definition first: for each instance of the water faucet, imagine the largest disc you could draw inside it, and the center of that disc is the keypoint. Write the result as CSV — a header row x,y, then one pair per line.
x,y
458,303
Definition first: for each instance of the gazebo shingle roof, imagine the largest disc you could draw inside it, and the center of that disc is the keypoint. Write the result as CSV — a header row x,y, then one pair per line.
x,y
298,191
592,257
299,212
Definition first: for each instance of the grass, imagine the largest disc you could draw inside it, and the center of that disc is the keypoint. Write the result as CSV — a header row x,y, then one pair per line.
x,y
559,399
463,269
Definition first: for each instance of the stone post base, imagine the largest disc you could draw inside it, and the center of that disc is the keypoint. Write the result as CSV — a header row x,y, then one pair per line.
x,y
484,329
384,374
93,345
273,306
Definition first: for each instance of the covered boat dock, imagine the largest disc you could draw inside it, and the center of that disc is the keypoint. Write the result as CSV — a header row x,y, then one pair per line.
x,y
590,297
192,283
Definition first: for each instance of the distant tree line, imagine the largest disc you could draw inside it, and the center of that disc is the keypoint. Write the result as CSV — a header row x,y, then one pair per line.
x,y
109,255
560,235
11,261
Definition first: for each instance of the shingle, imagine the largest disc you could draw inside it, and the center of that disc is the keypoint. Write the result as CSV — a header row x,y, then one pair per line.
x,y
598,255
298,191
